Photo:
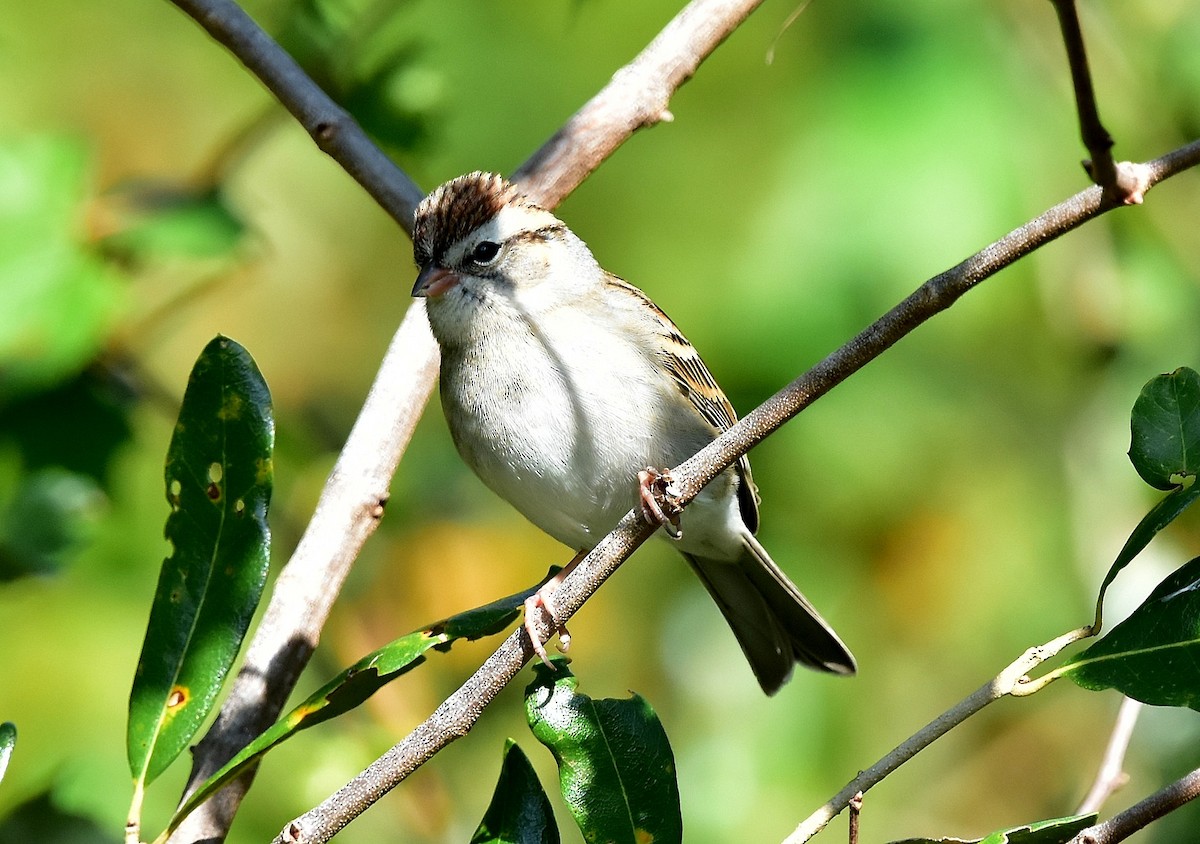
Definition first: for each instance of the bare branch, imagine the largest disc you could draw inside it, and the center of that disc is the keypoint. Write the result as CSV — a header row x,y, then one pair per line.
x,y
856,804
1111,774
1121,181
458,714
934,296
1141,815
637,97
1095,137
1007,682
333,129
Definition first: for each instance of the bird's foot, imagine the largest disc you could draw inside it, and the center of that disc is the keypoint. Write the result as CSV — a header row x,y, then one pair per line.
x,y
660,500
540,601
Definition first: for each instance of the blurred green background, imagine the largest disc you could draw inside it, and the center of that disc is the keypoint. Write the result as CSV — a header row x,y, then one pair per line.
x,y
956,502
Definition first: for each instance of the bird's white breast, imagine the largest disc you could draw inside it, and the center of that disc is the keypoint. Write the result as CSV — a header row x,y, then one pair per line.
x,y
554,421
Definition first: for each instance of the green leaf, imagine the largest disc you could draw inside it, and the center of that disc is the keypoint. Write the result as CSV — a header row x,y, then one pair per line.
x,y
1154,655
41,820
218,479
57,299
360,55
8,740
172,221
50,516
1056,831
1165,429
520,812
1161,515
616,768
79,425
394,101
361,680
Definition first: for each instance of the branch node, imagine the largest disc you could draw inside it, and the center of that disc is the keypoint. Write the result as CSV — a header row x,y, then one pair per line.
x,y
376,508
1132,182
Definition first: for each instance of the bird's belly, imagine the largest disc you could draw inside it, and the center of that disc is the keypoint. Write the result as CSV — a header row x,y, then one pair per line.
x,y
566,457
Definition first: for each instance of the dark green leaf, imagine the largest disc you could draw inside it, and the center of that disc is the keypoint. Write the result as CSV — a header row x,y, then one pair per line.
x,y
616,768
1161,515
168,221
361,55
218,479
8,740
1056,831
520,812
42,821
78,425
361,680
60,299
394,101
49,517
1154,655
1165,429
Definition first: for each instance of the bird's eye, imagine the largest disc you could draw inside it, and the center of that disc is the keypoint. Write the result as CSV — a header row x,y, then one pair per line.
x,y
485,252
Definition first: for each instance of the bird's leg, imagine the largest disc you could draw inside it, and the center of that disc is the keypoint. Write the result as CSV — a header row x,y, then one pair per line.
x,y
660,500
540,600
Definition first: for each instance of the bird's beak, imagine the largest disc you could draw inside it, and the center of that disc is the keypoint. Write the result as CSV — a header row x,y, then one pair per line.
x,y
434,281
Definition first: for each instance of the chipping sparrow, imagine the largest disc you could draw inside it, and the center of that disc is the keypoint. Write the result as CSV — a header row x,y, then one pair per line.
x,y
560,383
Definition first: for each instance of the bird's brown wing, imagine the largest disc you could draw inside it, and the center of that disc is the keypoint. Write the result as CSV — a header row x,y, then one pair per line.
x,y
680,360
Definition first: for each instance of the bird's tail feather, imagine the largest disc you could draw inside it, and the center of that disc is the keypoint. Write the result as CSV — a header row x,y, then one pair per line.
x,y
774,623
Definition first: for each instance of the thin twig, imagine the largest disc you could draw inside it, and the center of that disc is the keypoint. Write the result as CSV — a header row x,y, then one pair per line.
x,y
1138,817
1122,182
1095,137
458,714
1110,776
931,298
1007,682
856,804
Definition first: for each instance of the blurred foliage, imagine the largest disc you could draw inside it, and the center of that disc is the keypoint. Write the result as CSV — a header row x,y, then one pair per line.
x,y
952,504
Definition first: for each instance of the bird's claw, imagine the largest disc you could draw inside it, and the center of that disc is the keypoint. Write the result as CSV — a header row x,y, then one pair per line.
x,y
539,601
660,500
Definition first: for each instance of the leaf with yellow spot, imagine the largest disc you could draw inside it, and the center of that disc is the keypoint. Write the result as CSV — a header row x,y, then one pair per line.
x,y
361,680
210,585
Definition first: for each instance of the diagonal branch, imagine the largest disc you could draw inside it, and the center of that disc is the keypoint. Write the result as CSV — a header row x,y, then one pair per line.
x,y
637,97
1111,774
330,125
459,713
1008,682
1139,816
356,491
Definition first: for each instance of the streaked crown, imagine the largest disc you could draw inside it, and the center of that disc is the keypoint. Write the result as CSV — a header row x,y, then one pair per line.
x,y
456,209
